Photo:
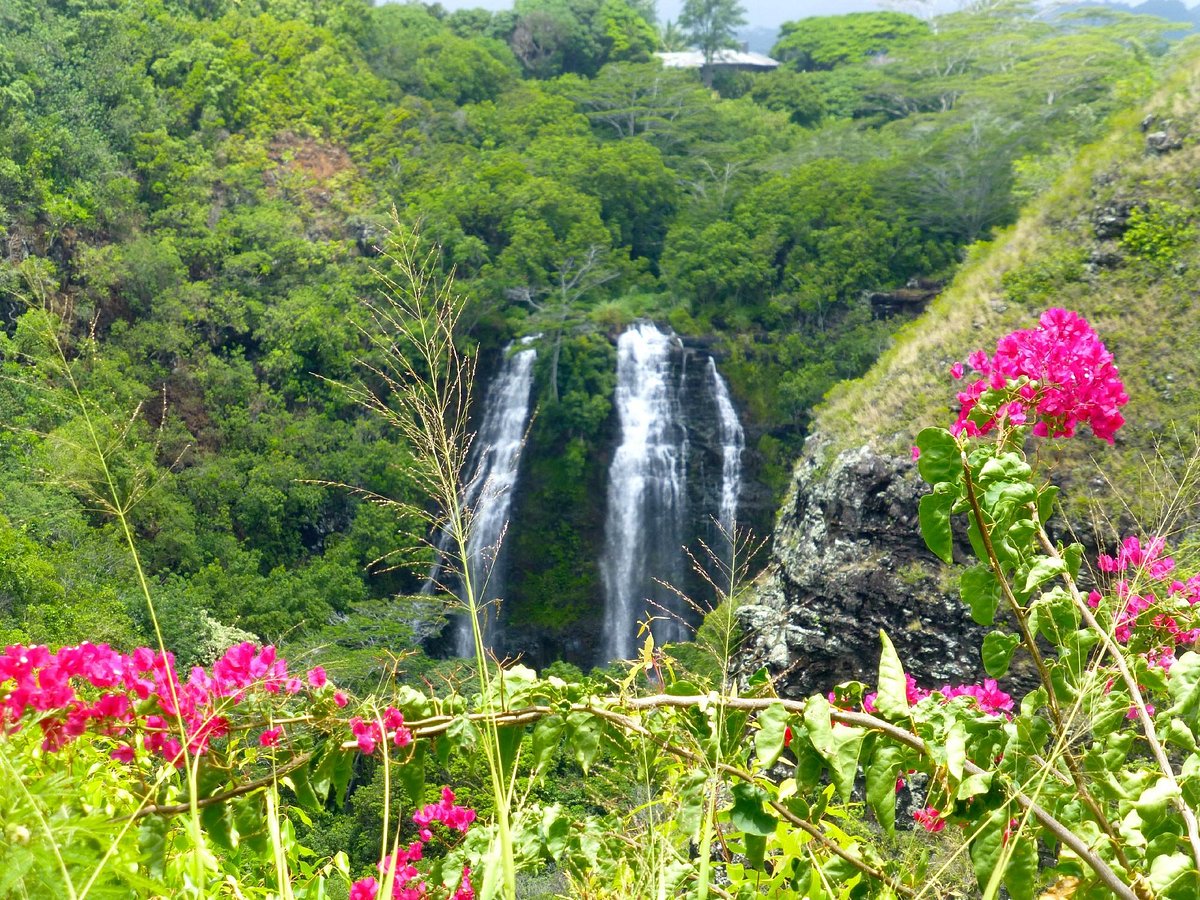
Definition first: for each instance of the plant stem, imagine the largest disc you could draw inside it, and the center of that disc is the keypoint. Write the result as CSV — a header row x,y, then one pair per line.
x,y
1030,642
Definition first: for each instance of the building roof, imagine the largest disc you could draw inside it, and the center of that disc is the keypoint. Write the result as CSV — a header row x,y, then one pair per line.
x,y
694,59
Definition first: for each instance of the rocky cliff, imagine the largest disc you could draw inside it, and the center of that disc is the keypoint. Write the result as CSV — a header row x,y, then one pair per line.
x,y
848,561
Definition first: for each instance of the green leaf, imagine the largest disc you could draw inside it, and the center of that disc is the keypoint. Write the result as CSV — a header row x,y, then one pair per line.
x,y
1020,875
1045,503
933,513
956,751
973,785
997,652
1005,467
1185,687
1073,556
988,845
1043,570
1155,802
756,850
546,735
748,814
692,795
584,737
217,821
1169,871
411,775
892,697
882,772
979,590
838,745
768,739
940,458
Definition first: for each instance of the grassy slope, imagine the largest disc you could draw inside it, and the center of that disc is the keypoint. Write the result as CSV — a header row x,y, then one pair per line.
x,y
1144,308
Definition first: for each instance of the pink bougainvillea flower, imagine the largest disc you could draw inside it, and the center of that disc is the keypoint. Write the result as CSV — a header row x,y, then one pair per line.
x,y
364,889
340,698
1070,380
957,371
270,737
316,677
930,819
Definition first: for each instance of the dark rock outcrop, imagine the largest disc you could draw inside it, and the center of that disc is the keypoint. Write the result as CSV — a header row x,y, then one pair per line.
x,y
1112,220
848,561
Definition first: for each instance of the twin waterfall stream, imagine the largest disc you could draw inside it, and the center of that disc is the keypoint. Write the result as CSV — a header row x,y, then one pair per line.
x,y
668,401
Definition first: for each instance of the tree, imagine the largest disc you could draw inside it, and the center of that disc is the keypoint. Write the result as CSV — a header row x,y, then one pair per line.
x,y
710,25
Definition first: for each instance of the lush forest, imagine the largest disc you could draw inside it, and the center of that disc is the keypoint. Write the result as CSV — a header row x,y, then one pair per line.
x,y
198,194
202,203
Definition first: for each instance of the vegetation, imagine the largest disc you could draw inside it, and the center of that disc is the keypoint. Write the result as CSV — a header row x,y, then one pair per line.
x,y
193,203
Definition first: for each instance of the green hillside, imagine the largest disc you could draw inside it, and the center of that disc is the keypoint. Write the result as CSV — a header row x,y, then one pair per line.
x,y
1115,239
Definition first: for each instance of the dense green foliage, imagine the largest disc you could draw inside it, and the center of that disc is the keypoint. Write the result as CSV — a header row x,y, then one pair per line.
x,y
197,191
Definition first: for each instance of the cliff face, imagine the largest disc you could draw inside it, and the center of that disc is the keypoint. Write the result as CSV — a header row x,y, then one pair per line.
x,y
848,561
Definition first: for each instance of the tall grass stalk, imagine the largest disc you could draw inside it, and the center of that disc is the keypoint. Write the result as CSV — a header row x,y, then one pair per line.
x,y
422,388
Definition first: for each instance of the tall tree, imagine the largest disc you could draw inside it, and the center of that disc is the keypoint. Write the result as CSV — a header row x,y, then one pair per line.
x,y
710,25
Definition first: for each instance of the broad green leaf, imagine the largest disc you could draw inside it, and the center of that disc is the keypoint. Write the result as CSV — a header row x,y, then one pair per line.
x,y
838,745
1045,503
997,652
411,775
218,825
956,751
940,458
768,739
1020,875
1043,570
933,513
556,830
882,772
691,801
584,738
1184,686
892,697
988,845
979,590
974,785
1005,467
1156,802
546,735
748,814
1073,556
509,740
1168,872
756,850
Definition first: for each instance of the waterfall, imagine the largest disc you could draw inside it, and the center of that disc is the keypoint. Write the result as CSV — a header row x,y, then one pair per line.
x,y
646,495
733,441
492,467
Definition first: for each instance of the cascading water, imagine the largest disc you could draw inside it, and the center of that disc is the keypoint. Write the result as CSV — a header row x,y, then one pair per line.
x,y
493,465
646,495
733,441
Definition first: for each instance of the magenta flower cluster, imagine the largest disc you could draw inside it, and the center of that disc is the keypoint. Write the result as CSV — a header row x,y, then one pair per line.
x,y
406,883
1062,374
1137,611
371,734
139,693
988,696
